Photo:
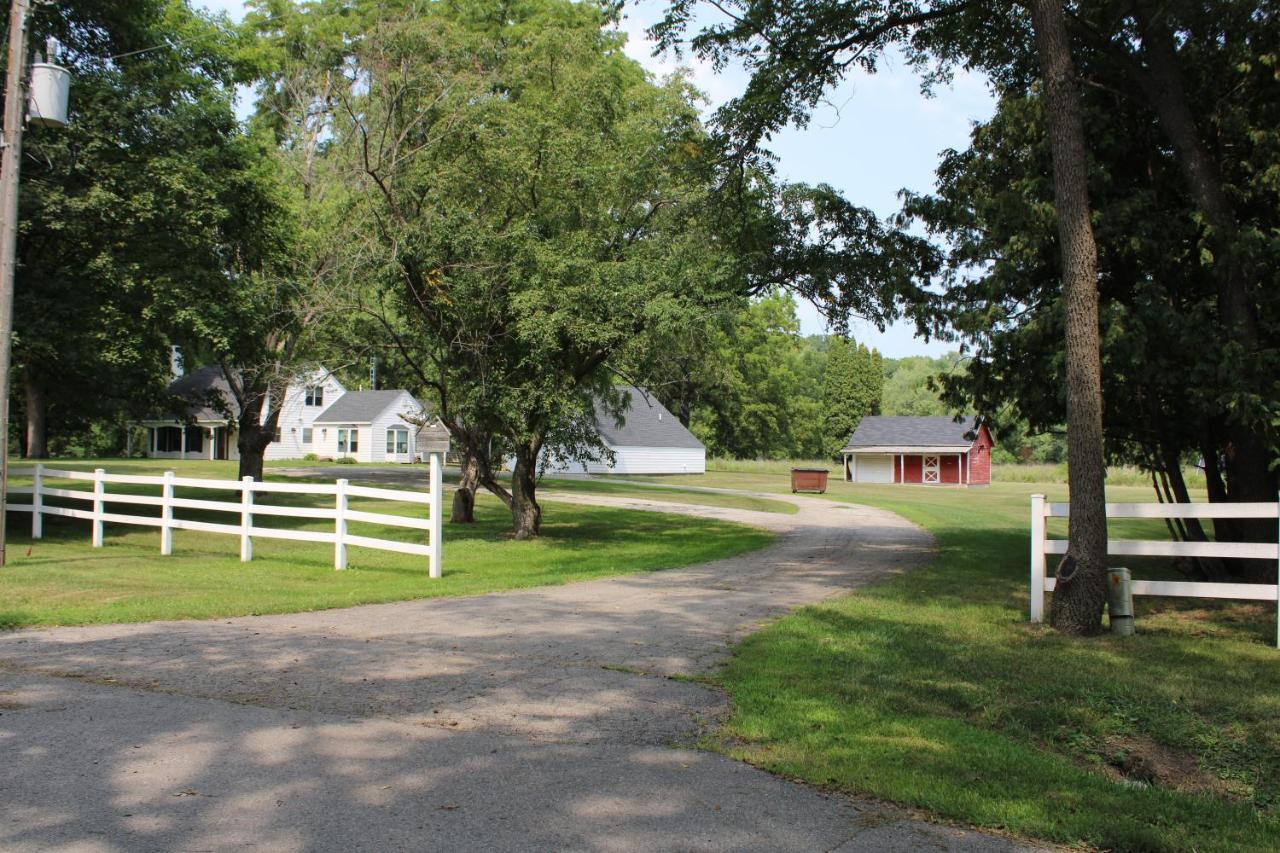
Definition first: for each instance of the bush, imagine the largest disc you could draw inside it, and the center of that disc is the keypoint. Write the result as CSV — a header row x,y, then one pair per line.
x,y
311,457
345,460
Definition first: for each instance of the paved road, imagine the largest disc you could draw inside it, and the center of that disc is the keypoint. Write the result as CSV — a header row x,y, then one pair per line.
x,y
540,719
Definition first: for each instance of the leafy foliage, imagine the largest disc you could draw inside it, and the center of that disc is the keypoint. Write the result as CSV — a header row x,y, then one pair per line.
x,y
129,214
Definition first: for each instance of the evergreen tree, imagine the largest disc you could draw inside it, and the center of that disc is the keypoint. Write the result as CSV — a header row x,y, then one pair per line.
x,y
843,395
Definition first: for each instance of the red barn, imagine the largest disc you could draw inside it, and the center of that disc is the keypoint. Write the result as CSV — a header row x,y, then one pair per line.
x,y
927,450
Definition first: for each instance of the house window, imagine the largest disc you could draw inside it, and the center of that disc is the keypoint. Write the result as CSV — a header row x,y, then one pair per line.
x,y
275,437
397,440
348,440
315,395
307,435
168,439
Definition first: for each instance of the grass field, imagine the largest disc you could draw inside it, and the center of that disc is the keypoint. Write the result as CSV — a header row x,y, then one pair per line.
x,y
633,489
933,690
1042,473
61,580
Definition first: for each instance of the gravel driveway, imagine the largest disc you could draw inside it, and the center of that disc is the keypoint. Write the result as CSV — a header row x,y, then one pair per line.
x,y
540,719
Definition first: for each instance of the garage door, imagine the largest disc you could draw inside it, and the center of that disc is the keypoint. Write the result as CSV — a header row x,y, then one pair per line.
x,y
875,469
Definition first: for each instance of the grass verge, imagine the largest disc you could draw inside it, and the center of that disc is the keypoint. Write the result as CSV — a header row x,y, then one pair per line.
x,y
934,691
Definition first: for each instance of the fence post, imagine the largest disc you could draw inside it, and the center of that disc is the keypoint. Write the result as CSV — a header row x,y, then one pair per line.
x,y
98,489
37,502
437,526
1037,558
166,515
340,527
246,519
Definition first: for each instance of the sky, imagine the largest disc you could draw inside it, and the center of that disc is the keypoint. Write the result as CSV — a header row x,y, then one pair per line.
x,y
878,136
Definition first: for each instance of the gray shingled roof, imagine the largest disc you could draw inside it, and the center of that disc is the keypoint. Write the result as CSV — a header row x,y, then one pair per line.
x,y
901,431
358,407
645,423
197,387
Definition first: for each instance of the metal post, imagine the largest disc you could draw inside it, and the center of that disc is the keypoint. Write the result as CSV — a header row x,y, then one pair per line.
x,y
1037,558
14,101
437,525
246,519
1120,602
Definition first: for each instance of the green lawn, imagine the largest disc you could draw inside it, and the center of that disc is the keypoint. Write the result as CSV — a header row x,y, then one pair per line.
x,y
934,691
61,580
631,489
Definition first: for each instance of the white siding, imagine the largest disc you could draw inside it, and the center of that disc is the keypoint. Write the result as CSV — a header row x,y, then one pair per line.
x,y
372,437
391,416
325,444
296,415
642,460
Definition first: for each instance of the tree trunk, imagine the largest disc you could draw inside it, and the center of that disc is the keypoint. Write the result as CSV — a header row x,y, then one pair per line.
x,y
1081,592
37,416
526,515
252,440
464,499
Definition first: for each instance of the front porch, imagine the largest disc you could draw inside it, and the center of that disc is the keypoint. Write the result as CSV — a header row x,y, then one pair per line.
x,y
171,440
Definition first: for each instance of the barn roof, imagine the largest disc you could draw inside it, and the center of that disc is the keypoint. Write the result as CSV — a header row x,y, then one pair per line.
x,y
644,423
892,431
359,407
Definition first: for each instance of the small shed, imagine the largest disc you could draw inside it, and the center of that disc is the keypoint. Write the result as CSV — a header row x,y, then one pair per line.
x,y
923,450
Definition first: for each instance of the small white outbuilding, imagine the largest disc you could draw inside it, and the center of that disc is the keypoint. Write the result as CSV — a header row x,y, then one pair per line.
x,y
646,439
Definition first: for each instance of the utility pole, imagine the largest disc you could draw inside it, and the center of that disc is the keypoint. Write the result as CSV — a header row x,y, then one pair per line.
x,y
14,103
50,85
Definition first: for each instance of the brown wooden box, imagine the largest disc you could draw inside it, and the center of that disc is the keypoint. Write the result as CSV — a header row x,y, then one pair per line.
x,y
809,480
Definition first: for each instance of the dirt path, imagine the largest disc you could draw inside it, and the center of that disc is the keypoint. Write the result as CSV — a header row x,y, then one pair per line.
x,y
540,719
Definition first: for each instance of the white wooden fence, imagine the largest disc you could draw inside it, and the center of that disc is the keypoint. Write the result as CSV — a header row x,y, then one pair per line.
x,y
1042,510
248,525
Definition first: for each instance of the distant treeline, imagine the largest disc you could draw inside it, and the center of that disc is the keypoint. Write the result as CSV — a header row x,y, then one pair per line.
x,y
751,386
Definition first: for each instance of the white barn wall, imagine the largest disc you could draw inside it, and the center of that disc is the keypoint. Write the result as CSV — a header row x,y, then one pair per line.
x,y
639,460
654,460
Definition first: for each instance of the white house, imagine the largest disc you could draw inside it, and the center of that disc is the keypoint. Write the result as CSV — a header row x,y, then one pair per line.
x,y
303,404
646,439
371,426
209,431
319,416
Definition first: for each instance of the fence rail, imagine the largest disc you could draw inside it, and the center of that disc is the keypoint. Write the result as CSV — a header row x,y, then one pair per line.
x,y
1042,510
244,509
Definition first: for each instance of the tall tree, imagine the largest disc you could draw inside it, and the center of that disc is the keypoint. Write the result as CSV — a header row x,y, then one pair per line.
x,y
1081,593
1176,375
796,50
128,214
533,197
